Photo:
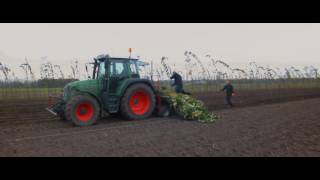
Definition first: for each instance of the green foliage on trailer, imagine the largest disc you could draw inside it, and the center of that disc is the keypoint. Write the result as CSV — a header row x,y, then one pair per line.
x,y
190,108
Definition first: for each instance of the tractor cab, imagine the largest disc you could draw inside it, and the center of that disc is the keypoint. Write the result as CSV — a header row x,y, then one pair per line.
x,y
119,68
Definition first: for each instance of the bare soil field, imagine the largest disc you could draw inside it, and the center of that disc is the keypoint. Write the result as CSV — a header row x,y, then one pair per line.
x,y
288,124
216,100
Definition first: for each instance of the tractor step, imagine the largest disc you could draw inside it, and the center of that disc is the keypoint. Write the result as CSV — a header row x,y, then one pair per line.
x,y
113,107
113,103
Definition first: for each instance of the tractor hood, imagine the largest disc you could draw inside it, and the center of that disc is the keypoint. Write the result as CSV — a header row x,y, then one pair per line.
x,y
80,83
85,86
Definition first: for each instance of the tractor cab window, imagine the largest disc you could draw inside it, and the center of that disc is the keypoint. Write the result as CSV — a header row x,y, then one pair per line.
x,y
102,70
133,67
116,68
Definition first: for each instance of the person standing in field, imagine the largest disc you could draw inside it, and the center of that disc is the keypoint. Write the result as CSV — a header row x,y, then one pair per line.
x,y
178,85
228,88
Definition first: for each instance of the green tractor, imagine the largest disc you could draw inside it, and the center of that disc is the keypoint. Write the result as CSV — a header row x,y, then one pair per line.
x,y
115,88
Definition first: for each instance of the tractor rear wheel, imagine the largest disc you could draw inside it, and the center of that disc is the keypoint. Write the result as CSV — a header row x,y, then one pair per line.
x,y
82,110
138,102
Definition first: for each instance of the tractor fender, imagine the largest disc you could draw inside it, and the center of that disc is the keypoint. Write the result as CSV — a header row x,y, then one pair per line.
x,y
136,81
77,92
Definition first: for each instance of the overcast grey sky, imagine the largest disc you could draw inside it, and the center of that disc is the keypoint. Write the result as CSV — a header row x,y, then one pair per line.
x,y
237,44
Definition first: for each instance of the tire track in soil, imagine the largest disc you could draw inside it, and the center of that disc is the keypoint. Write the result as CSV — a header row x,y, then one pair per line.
x,y
61,128
113,141
272,130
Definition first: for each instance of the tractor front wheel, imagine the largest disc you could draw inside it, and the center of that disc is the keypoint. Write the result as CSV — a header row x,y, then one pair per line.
x,y
138,102
82,110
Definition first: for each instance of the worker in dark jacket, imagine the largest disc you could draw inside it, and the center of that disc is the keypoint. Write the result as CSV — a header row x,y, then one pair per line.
x,y
228,88
178,85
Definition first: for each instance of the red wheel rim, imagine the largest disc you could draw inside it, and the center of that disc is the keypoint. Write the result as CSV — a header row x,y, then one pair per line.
x,y
84,112
140,102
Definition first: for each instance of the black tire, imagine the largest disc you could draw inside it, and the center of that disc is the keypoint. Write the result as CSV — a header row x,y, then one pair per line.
x,y
72,110
125,108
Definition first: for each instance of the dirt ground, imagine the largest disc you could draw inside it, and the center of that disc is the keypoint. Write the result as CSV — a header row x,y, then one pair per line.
x,y
216,100
289,126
